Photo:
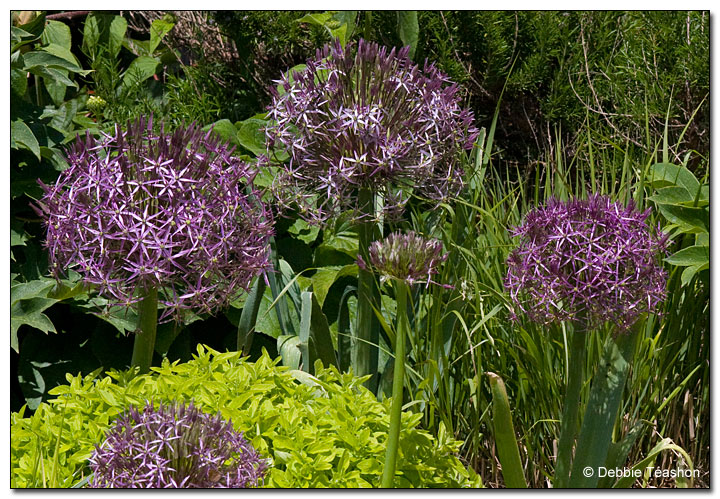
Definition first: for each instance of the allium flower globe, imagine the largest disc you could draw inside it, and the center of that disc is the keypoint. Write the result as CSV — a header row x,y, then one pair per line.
x,y
367,119
588,261
175,446
138,210
407,257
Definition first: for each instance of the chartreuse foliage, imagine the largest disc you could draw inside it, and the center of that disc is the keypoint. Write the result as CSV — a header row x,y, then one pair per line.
x,y
325,430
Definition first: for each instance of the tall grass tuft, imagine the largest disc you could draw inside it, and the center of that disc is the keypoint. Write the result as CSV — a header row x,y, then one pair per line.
x,y
466,332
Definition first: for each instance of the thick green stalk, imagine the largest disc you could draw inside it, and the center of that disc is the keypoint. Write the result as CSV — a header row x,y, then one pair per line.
x,y
367,332
398,382
569,421
144,345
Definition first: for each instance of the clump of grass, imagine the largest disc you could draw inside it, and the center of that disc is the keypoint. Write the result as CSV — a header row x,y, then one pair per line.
x,y
468,332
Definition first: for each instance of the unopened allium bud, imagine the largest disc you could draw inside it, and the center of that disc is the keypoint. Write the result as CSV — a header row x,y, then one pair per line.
x,y
367,118
588,261
175,446
407,257
96,104
138,210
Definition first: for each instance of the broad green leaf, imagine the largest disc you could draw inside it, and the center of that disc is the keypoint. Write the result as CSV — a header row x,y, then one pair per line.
x,y
288,348
103,32
347,19
321,344
672,195
29,290
251,135
158,29
140,48
35,27
316,19
689,272
692,255
39,59
225,130
304,331
57,33
339,24
139,70
601,411
690,219
62,117
505,438
248,318
267,320
408,29
17,238
124,320
344,241
326,276
29,312
668,174
618,454
18,81
63,53
344,326
54,76
303,231
20,35
21,135
56,84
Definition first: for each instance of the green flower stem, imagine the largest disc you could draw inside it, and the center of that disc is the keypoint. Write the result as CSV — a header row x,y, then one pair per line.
x,y
403,327
144,345
367,332
569,421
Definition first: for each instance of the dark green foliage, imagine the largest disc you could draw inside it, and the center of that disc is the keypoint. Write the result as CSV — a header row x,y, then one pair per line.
x,y
620,67
268,43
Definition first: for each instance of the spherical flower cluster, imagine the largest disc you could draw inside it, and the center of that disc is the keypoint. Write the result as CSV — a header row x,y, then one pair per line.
x,y
175,446
176,212
370,119
407,257
587,261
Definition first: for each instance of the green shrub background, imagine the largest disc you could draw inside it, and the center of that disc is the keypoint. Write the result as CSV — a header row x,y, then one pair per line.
x,y
318,431
622,70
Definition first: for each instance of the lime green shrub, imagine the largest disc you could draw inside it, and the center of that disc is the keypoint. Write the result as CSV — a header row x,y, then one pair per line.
x,y
325,430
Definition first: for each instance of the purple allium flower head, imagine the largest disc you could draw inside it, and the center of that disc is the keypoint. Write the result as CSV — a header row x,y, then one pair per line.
x,y
367,118
588,261
175,446
137,210
407,257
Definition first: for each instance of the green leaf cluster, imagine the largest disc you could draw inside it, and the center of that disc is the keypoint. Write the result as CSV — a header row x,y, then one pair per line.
x,y
325,430
685,204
